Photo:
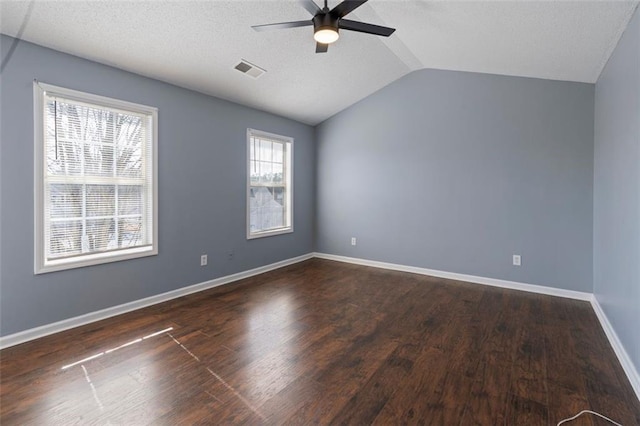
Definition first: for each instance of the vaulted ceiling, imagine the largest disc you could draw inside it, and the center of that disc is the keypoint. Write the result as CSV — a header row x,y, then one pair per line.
x,y
196,44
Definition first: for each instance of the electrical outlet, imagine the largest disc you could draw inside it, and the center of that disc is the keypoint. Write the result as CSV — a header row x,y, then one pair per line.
x,y
517,260
353,241
203,260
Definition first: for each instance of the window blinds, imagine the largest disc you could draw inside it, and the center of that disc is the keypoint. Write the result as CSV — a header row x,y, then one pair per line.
x,y
98,183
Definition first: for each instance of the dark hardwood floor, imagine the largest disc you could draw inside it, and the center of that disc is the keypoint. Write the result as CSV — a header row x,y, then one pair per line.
x,y
325,342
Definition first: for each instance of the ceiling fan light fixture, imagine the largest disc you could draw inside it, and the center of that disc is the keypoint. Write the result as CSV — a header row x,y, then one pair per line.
x,y
326,35
325,28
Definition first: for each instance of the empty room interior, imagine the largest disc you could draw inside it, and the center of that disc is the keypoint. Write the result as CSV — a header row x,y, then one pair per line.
x,y
311,212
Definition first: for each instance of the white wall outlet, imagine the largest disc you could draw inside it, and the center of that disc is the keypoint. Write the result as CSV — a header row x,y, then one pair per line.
x,y
203,260
517,261
353,241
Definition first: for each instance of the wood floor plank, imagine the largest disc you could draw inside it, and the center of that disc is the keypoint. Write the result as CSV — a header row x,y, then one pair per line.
x,y
323,342
529,370
524,411
604,391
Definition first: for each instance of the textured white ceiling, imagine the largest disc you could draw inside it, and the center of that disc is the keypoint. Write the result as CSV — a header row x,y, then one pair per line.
x,y
196,44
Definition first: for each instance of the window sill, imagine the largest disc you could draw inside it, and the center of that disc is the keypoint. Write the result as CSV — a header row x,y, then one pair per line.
x,y
95,259
269,233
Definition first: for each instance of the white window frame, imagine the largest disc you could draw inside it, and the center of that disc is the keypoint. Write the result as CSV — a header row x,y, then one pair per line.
x,y
41,264
288,141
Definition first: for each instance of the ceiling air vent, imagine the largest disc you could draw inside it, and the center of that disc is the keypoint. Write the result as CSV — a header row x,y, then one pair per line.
x,y
249,69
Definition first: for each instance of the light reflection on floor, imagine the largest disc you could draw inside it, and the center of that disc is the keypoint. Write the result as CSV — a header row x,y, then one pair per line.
x,y
108,351
220,379
177,371
93,389
269,325
111,395
97,395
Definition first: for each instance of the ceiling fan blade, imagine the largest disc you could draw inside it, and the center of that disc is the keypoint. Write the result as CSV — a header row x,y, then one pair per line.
x,y
282,25
362,27
311,6
347,6
321,47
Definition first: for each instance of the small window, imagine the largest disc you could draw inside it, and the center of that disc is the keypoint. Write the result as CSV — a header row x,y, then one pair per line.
x,y
95,179
269,190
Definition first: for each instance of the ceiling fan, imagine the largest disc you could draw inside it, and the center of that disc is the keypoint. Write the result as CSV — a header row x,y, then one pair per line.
x,y
326,23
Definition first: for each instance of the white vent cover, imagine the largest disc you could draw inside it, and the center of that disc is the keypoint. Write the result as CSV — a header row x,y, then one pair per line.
x,y
249,69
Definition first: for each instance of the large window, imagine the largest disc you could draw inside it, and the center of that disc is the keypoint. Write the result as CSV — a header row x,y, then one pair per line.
x,y
269,192
95,179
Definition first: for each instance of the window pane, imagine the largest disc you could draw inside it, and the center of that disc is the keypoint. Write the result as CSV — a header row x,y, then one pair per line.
x,y
128,130
101,200
130,232
264,211
98,160
130,200
278,195
254,171
129,161
278,173
265,172
265,150
64,159
277,153
65,238
65,201
100,235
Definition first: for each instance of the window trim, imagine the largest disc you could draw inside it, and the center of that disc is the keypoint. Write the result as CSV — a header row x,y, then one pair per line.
x,y
289,184
41,265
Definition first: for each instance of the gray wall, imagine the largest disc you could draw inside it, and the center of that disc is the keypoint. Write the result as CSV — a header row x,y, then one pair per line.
x,y
202,154
616,230
458,171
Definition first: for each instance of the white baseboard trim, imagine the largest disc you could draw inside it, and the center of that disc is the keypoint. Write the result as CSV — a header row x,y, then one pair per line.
x,y
56,327
621,353
513,285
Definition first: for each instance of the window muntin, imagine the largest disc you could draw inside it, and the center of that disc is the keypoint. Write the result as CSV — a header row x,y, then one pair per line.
x,y
269,192
96,195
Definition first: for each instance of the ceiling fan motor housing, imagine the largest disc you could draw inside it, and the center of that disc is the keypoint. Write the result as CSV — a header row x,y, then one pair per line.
x,y
324,21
